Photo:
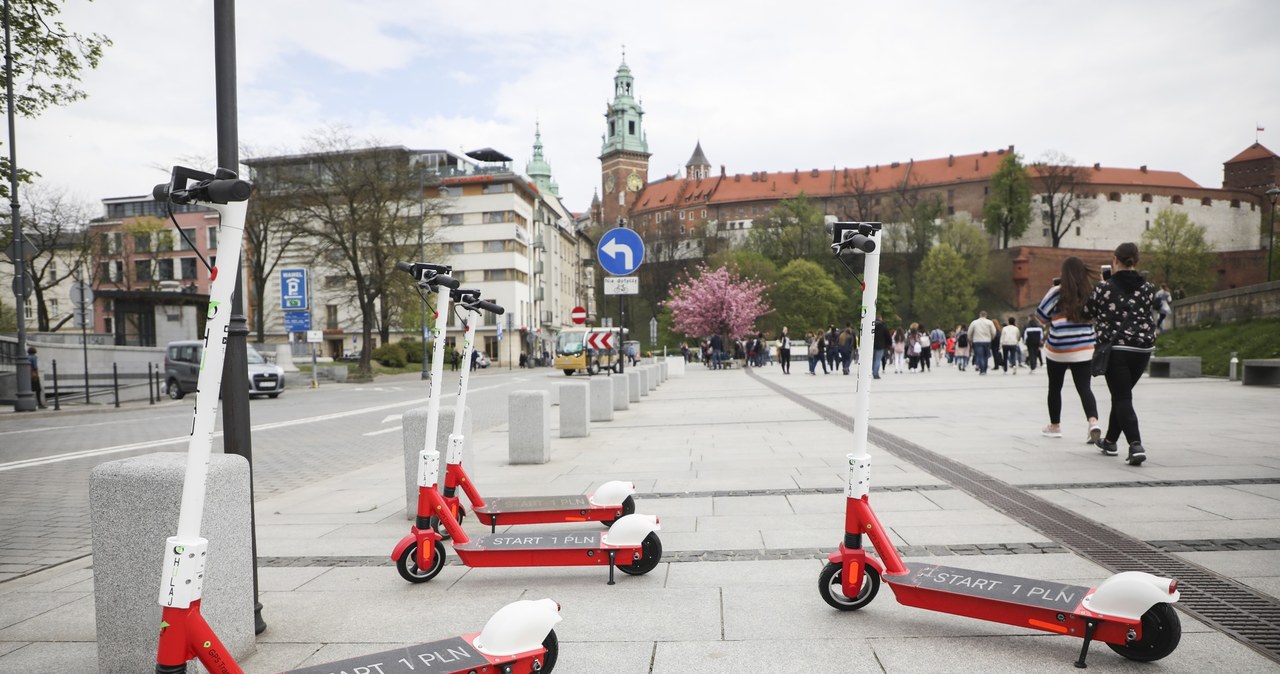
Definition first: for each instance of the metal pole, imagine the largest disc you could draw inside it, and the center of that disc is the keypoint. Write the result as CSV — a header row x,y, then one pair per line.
x,y
115,383
25,401
151,400
56,405
1271,241
84,340
235,373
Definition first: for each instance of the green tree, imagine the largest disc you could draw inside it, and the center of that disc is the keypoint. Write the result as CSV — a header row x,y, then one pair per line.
x,y
970,242
805,298
886,299
946,293
53,221
1177,253
47,62
792,230
746,263
918,223
1007,211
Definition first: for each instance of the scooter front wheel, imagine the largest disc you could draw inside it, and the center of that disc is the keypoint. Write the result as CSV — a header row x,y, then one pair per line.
x,y
552,644
1161,632
831,587
651,546
628,508
408,567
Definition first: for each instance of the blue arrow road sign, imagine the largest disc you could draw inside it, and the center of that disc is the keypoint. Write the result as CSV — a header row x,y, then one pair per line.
x,y
293,289
620,251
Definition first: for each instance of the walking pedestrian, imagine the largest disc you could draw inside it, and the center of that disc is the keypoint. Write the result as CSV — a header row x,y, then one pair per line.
x,y
1033,337
1070,345
1162,306
36,388
1122,309
846,347
926,350
831,347
817,352
938,342
981,332
880,345
899,349
961,340
784,351
1010,339
913,347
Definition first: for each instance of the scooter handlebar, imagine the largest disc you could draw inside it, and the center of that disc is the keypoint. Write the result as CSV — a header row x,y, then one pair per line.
x,y
490,307
222,188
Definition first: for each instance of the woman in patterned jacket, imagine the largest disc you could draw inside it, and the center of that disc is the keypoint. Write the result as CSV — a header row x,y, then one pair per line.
x,y
1121,309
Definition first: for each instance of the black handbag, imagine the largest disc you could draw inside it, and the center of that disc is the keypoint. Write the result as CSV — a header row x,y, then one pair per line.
x,y
1101,357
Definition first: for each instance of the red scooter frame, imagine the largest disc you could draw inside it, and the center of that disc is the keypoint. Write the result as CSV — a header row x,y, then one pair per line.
x,y
607,504
1132,611
631,544
518,639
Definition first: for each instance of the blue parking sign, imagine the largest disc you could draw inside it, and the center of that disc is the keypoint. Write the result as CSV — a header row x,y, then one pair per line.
x,y
293,289
297,321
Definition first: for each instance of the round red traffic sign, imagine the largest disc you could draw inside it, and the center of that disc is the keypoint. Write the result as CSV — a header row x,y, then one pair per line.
x,y
579,315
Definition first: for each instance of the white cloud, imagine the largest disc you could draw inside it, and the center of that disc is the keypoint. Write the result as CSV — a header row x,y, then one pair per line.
x,y
1173,85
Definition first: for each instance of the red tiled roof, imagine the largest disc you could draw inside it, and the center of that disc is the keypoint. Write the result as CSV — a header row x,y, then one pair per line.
x,y
774,185
1255,151
1105,175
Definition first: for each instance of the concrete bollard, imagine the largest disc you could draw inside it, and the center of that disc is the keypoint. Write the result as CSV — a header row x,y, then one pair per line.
x,y
575,414
662,370
284,357
529,429
653,378
133,506
601,399
621,400
644,381
675,366
633,385
413,432
555,395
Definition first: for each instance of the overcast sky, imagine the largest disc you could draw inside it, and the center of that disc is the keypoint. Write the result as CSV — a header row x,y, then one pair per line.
x,y
1172,84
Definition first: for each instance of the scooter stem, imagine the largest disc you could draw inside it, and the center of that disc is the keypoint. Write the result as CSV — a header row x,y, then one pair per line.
x,y
468,346
866,347
437,368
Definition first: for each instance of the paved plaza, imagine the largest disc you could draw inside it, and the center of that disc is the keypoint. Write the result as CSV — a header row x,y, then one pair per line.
x,y
747,483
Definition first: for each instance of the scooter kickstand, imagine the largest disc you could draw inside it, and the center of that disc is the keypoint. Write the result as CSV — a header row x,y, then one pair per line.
x,y
1089,627
612,554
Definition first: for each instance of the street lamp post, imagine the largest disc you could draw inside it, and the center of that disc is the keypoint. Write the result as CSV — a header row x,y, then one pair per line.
x,y
1273,193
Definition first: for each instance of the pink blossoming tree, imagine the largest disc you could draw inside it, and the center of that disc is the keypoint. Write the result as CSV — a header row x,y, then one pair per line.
x,y
716,302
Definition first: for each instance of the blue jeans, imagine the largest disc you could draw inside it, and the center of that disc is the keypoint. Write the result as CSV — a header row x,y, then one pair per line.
x,y
981,354
877,357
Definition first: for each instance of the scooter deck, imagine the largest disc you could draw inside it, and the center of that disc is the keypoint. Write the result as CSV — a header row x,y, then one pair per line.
x,y
991,586
524,504
447,655
527,541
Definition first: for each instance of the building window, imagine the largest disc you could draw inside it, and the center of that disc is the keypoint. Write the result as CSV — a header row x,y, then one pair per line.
x,y
951,210
631,128
164,241
1045,232
505,275
682,215
1177,199
498,188
188,235
213,238
450,191
451,219
29,310
1114,196
456,247
142,270
53,307
704,214
458,275
331,317
142,243
1206,202
612,130
115,242
188,268
1235,203
164,269
1148,225
1077,231
334,281
1146,198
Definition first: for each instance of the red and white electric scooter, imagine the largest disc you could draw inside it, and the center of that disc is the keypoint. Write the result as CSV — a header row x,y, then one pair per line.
x,y
1132,611
611,501
518,638
631,543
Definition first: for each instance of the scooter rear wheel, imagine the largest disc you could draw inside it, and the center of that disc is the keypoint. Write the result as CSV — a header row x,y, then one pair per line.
x,y
628,507
552,644
407,564
651,546
439,528
1161,632
830,587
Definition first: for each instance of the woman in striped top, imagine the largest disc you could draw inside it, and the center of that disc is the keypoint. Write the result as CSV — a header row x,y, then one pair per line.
x,y
1070,344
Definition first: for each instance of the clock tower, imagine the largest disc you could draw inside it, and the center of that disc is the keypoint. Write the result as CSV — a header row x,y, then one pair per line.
x,y
624,155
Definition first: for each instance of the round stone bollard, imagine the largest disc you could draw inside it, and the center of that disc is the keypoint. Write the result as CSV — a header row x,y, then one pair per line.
x,y
133,506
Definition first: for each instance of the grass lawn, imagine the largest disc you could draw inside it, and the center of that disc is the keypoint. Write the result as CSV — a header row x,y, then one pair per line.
x,y
1214,343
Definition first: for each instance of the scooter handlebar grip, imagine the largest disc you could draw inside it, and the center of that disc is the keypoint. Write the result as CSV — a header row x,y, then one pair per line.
x,y
495,309
402,266
228,190
447,281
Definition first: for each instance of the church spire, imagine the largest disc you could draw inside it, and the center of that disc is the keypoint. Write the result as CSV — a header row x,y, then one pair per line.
x,y
538,169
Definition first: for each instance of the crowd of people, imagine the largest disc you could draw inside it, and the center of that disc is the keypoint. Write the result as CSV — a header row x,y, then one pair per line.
x,y
1122,312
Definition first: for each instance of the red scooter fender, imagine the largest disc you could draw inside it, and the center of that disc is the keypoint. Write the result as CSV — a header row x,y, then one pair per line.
x,y
838,557
409,539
